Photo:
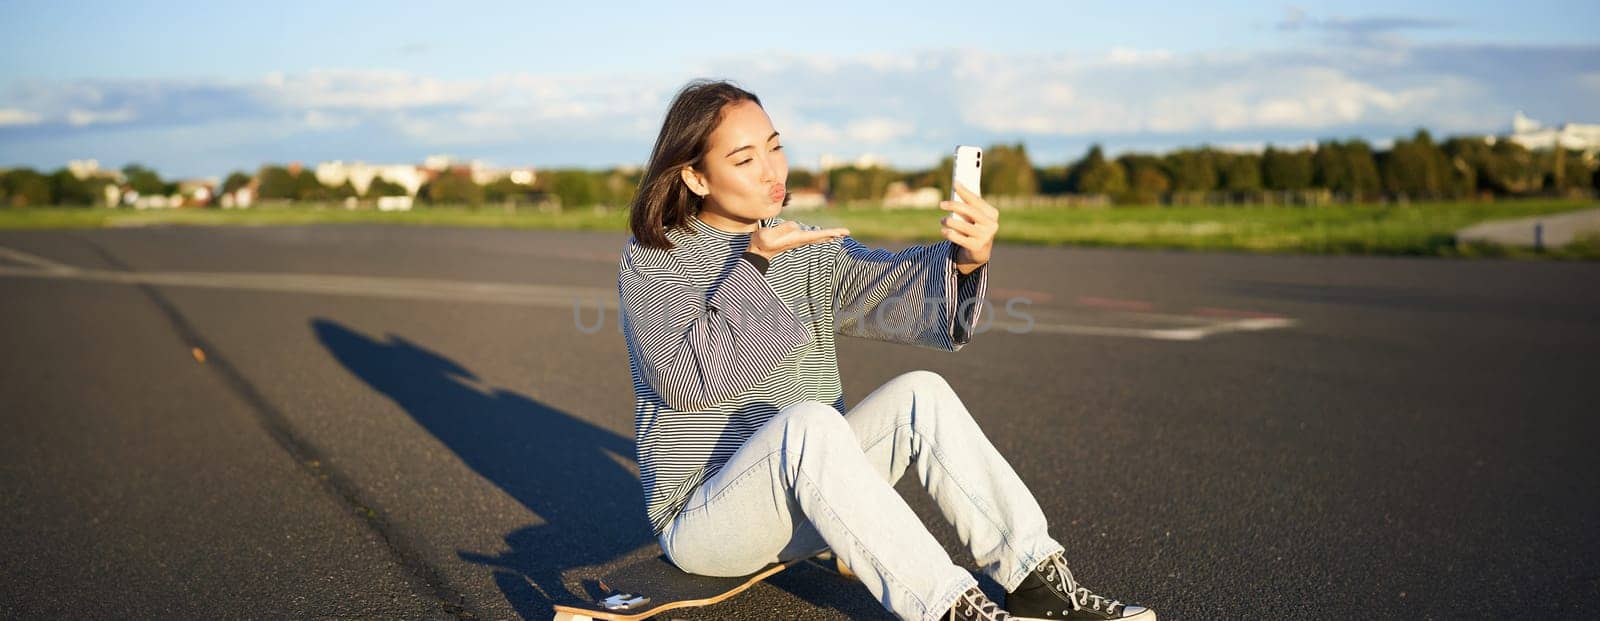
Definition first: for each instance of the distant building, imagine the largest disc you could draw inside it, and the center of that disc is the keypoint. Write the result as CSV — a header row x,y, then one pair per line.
x,y
85,170
438,163
807,199
133,199
900,196
412,177
395,203
196,192
828,162
360,175
240,198
90,169
482,174
1534,135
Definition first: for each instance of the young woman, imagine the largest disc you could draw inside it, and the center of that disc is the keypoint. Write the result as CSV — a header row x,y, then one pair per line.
x,y
729,314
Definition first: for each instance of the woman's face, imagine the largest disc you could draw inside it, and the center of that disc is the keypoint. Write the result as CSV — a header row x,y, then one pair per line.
x,y
743,172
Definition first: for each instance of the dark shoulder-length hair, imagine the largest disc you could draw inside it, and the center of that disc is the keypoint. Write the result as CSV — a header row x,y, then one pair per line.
x,y
663,201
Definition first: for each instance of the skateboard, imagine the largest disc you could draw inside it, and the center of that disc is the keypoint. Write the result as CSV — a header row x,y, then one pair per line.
x,y
648,587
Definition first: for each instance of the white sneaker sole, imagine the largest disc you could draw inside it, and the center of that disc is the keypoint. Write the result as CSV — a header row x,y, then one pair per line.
x,y
1144,614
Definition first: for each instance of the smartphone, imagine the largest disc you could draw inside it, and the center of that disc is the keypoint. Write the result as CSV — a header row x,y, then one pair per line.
x,y
968,170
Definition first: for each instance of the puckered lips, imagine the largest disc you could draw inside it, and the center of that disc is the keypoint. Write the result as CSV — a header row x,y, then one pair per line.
x,y
776,193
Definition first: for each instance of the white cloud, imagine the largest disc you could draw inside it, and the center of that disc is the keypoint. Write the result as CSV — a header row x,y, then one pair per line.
x,y
1361,31
1201,93
80,118
877,130
17,116
806,132
516,107
1591,82
1132,56
363,90
910,106
320,120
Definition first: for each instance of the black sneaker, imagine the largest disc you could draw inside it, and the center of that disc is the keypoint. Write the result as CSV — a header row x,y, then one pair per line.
x,y
1050,593
975,606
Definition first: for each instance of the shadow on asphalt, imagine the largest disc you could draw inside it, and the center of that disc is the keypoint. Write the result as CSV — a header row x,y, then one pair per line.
x,y
568,472
575,476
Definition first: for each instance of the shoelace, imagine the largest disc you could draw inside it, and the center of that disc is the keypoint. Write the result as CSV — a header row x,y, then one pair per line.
x,y
1056,572
974,606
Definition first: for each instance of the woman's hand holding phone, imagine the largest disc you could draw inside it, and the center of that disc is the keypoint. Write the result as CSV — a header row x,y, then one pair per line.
x,y
971,225
770,241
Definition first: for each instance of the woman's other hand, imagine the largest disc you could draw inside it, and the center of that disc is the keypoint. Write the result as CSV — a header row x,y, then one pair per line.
x,y
769,241
971,225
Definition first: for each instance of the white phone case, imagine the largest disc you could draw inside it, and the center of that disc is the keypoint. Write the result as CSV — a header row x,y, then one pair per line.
x,y
968,171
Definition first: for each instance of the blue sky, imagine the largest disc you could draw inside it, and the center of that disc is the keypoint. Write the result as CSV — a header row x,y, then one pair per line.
x,y
204,88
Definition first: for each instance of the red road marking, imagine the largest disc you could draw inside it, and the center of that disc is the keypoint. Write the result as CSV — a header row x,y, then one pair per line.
x,y
1133,305
1229,312
1035,296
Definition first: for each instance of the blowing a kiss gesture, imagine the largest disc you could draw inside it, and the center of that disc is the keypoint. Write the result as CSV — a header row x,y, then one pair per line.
x,y
971,226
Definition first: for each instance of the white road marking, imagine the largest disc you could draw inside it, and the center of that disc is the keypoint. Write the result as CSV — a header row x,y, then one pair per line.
x,y
329,284
34,260
1160,334
588,300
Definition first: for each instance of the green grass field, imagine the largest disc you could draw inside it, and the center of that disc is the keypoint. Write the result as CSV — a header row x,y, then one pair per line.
x,y
1425,229
1413,229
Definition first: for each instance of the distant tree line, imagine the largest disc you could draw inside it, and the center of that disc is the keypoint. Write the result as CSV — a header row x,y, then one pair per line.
x,y
1414,168
21,187
569,187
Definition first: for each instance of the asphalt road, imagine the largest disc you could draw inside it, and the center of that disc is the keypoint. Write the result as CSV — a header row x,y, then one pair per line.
x,y
362,421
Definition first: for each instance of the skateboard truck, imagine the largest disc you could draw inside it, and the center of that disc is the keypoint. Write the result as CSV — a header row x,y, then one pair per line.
x,y
624,601
669,588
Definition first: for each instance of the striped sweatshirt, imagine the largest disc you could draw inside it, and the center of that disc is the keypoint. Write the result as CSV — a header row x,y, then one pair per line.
x,y
718,342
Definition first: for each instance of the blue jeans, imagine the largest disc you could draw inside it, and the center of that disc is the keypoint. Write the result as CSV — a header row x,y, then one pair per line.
x,y
810,478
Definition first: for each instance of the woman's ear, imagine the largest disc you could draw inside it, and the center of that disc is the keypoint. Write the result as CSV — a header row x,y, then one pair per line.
x,y
695,181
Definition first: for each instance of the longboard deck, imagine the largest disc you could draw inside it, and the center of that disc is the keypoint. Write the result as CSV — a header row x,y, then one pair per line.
x,y
649,587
